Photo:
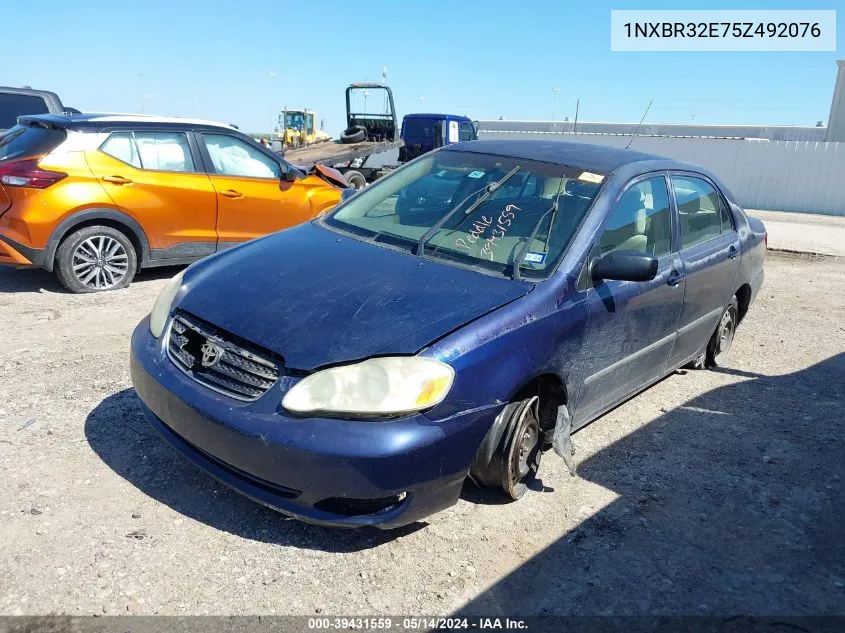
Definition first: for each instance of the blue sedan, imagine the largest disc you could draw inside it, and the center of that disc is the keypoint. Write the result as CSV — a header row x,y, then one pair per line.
x,y
460,317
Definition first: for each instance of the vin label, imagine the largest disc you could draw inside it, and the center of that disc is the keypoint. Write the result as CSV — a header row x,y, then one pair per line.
x,y
723,30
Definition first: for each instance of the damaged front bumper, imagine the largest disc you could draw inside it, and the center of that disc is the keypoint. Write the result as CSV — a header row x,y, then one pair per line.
x,y
327,471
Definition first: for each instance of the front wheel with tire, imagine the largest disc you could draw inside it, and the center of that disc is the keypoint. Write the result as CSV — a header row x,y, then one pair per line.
x,y
355,179
523,452
722,339
509,456
94,259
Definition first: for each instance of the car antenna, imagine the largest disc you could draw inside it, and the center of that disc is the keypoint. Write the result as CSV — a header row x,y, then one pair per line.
x,y
639,125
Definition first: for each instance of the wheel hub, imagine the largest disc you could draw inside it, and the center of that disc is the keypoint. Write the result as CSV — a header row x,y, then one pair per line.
x,y
100,262
726,333
522,454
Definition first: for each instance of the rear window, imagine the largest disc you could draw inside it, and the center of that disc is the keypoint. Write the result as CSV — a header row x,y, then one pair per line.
x,y
27,140
12,106
419,129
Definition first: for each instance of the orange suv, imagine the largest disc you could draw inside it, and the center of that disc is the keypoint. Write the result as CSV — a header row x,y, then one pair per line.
x,y
96,197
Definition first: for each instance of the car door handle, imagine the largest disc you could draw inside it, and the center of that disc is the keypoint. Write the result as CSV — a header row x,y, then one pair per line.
x,y
117,180
732,252
675,278
231,193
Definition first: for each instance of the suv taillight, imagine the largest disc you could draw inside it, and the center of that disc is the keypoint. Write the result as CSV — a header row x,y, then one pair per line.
x,y
27,173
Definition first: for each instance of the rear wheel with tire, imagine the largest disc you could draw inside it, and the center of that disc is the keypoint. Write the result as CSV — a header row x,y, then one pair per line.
x,y
94,259
355,179
722,339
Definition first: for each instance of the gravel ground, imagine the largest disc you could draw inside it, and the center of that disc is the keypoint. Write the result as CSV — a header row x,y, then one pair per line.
x,y
710,493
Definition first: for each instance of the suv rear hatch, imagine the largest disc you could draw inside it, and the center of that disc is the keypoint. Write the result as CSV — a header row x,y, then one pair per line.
x,y
24,142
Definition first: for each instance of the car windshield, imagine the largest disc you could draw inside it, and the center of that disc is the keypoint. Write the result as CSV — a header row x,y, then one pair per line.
x,y
295,120
488,226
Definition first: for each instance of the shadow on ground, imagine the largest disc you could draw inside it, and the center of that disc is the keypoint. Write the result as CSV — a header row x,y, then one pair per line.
x,y
118,432
731,504
13,280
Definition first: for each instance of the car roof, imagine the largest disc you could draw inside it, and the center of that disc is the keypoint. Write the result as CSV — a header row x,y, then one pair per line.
x,y
106,120
29,91
432,115
598,158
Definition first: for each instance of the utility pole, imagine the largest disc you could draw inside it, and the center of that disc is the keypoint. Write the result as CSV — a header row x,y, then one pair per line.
x,y
577,107
556,92
384,81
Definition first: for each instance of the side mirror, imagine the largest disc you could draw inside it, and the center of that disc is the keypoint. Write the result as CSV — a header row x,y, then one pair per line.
x,y
289,175
625,266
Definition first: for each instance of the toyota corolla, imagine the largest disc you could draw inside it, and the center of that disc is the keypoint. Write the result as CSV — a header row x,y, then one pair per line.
x,y
457,318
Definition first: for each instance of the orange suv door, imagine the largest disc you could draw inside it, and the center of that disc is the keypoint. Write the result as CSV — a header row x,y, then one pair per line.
x,y
252,197
157,178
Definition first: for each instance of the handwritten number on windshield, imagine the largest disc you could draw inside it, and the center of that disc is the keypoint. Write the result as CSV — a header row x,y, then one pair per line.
x,y
479,228
475,233
505,219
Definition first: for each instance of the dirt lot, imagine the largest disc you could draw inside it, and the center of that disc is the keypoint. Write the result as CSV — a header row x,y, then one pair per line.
x,y
711,493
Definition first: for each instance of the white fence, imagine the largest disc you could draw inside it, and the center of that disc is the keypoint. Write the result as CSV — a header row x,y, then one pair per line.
x,y
771,132
803,176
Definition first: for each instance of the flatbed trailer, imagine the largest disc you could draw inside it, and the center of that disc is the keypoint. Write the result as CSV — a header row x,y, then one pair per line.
x,y
349,159
375,133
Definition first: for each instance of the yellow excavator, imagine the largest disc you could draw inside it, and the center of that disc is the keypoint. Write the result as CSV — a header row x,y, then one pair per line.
x,y
296,129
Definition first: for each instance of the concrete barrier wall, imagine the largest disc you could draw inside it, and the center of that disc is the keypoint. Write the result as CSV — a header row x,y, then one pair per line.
x,y
800,176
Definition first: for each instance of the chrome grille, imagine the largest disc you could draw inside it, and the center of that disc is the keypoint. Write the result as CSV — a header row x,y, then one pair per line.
x,y
208,357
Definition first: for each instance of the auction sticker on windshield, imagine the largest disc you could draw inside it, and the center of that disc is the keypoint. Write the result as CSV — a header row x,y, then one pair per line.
x,y
534,258
588,176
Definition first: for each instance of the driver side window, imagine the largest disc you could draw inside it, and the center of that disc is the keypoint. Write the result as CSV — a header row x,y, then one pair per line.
x,y
640,220
231,156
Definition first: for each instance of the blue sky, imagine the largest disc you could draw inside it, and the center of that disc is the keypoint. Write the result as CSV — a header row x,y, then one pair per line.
x,y
244,62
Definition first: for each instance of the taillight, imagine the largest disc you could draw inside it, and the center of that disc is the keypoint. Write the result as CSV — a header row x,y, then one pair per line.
x,y
27,173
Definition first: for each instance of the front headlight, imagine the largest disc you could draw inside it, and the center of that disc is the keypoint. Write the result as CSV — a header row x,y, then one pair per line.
x,y
373,387
161,308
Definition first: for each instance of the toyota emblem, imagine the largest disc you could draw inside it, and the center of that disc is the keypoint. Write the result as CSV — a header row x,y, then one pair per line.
x,y
211,354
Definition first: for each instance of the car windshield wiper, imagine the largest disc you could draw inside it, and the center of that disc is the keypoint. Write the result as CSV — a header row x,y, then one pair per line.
x,y
488,191
517,262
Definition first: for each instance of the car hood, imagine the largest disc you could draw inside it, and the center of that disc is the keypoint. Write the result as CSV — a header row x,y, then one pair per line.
x,y
316,297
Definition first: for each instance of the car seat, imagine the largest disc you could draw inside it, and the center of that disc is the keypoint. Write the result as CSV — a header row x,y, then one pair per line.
x,y
632,203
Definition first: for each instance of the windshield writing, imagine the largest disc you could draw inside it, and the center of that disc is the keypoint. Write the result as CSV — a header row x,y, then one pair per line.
x,y
478,209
